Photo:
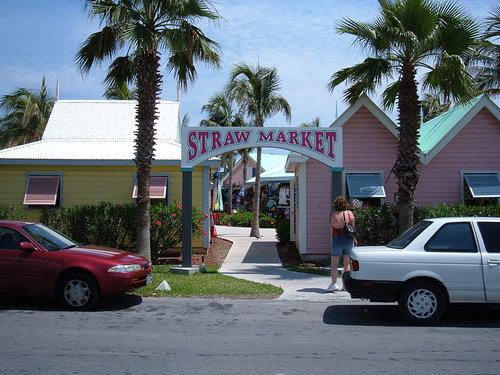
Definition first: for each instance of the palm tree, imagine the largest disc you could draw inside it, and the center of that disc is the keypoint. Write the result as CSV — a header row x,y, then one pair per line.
x,y
409,35
221,112
313,124
487,56
147,28
432,106
27,113
120,92
256,91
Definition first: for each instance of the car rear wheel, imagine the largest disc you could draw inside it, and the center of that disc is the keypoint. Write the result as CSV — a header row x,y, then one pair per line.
x,y
422,303
78,291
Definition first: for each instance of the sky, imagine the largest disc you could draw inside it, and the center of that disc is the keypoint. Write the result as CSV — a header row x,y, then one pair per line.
x,y
297,37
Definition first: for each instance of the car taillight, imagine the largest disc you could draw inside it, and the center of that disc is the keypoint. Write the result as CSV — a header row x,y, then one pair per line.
x,y
354,265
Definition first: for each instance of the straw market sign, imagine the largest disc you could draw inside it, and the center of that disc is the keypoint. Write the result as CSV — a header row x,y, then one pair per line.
x,y
322,144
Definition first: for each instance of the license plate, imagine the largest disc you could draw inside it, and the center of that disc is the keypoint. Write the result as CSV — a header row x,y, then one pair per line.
x,y
149,279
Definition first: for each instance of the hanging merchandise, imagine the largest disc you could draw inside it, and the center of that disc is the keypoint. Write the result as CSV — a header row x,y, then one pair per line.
x,y
220,204
271,190
213,196
240,196
284,195
217,193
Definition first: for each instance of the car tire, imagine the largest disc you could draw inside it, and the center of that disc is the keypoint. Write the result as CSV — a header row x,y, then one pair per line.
x,y
422,303
78,291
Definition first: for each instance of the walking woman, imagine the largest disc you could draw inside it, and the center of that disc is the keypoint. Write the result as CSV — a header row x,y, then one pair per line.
x,y
341,244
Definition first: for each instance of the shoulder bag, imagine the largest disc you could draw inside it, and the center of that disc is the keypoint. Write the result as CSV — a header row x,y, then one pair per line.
x,y
349,230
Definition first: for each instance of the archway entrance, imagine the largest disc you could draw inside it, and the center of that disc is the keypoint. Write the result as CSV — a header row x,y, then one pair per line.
x,y
200,144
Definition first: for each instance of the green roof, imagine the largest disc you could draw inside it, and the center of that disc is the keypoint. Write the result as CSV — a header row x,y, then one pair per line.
x,y
433,131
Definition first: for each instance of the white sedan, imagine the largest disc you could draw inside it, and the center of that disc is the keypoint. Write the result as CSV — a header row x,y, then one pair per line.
x,y
434,263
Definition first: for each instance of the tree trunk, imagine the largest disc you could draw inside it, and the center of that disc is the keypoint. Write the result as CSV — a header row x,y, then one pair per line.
x,y
148,89
406,167
255,232
245,162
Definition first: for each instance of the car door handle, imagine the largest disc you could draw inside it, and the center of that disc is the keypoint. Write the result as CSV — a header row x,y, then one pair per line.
x,y
494,261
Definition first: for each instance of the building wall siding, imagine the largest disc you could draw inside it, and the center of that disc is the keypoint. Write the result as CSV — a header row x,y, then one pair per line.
x,y
318,207
93,184
440,180
238,173
369,145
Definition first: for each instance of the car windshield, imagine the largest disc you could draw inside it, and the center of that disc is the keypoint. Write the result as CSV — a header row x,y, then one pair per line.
x,y
409,235
48,237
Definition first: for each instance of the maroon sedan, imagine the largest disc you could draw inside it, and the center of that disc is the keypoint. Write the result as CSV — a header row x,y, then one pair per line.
x,y
37,260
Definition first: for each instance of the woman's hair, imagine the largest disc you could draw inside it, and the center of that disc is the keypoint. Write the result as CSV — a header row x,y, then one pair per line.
x,y
340,204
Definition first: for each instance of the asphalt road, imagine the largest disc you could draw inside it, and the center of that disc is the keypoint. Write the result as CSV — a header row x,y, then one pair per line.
x,y
133,335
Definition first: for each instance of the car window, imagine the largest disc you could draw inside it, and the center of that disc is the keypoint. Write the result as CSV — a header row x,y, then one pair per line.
x,y
491,236
10,238
409,235
48,237
453,237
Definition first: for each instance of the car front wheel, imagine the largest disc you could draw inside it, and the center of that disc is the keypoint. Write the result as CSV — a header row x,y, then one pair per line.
x,y
422,303
78,291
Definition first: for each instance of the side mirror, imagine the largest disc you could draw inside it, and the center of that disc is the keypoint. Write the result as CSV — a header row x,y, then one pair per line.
x,y
27,246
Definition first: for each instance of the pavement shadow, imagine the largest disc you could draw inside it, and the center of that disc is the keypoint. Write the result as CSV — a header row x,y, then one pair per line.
x,y
371,315
262,252
115,303
312,290
460,316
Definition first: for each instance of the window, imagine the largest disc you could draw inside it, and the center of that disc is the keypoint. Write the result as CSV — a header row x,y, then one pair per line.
x,y
365,189
251,172
453,237
50,239
409,235
42,190
157,187
481,188
491,236
10,238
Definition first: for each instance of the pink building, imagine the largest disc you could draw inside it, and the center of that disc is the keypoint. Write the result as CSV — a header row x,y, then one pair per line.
x,y
268,163
460,161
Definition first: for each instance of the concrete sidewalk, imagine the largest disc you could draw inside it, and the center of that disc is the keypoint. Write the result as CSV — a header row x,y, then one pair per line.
x,y
258,260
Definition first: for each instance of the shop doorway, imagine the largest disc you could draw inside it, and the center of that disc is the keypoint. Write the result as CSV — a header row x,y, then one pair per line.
x,y
200,144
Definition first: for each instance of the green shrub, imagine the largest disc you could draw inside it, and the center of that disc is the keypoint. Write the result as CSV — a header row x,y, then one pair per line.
x,y
10,212
455,210
166,227
244,219
240,219
283,231
266,221
376,225
104,224
113,225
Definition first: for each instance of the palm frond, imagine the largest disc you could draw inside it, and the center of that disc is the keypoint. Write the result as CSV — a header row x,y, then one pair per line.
x,y
97,47
390,95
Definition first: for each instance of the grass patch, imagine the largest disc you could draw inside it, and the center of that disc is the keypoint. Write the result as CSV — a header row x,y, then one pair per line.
x,y
208,284
309,269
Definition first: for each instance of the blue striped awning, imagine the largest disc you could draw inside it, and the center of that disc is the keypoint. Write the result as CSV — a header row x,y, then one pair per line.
x,y
365,185
483,185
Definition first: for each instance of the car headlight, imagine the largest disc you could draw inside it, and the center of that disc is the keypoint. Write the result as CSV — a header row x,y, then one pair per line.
x,y
125,268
